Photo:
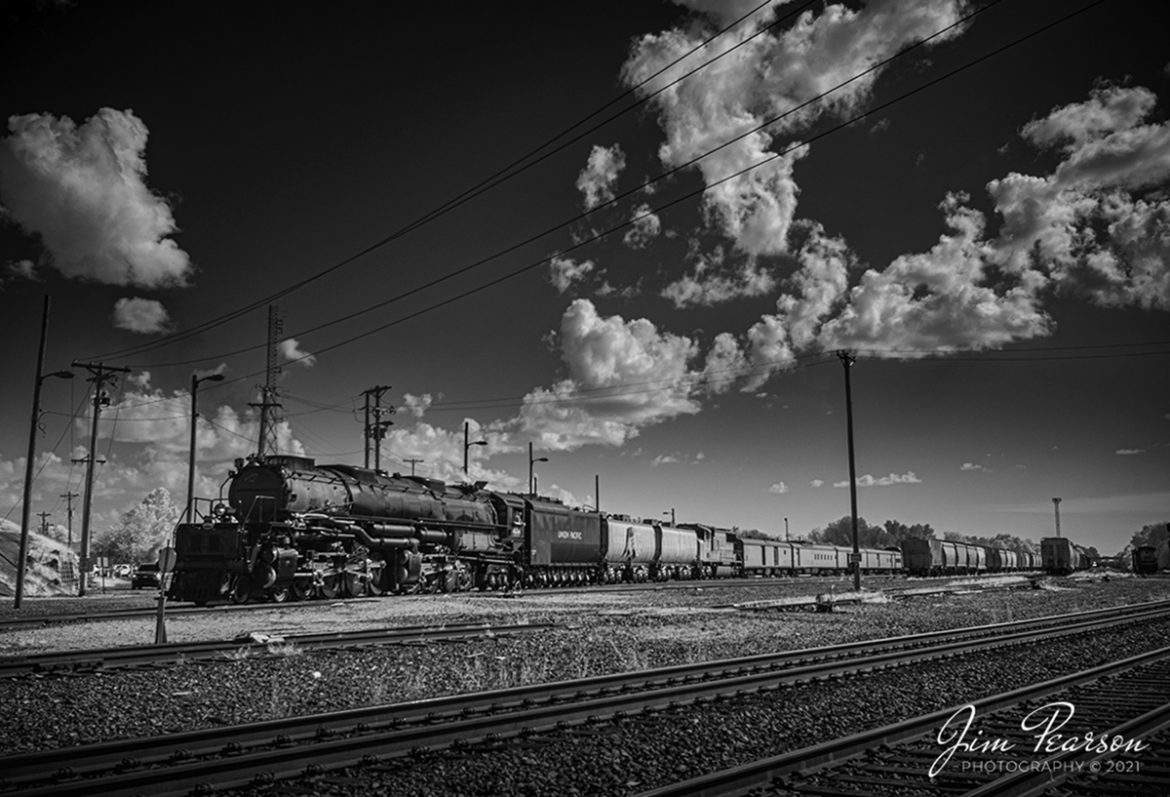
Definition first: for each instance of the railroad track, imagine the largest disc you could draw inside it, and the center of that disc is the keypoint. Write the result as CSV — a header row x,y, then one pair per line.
x,y
150,655
1013,743
306,746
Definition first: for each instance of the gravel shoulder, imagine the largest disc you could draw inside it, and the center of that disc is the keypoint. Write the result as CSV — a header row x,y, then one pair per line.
x,y
597,633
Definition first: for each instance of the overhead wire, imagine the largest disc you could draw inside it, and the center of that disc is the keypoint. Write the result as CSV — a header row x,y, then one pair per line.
x,y
497,178
596,236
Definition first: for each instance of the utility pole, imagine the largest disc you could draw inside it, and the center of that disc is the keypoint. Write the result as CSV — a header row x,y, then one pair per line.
x,y
1056,505
69,496
597,490
413,462
366,432
101,374
376,427
785,529
847,359
26,506
268,405
44,516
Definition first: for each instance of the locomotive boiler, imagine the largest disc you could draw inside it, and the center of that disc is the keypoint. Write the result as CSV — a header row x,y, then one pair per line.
x,y
292,528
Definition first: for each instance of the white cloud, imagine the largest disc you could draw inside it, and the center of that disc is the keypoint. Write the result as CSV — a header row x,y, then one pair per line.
x,y
817,483
622,376
22,269
1129,452
145,316
779,488
971,466
563,272
600,173
663,459
416,405
646,227
291,351
706,289
770,75
883,481
82,190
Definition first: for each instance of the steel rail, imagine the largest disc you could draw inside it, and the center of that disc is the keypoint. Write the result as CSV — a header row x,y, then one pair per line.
x,y
135,655
757,774
386,731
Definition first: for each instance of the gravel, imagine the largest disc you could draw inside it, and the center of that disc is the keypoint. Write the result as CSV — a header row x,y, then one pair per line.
x,y
599,633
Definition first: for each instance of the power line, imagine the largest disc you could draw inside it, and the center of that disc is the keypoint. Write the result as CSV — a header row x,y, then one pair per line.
x,y
497,178
631,192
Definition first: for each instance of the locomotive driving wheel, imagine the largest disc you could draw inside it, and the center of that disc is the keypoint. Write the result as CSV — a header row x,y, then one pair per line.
x,y
300,590
355,583
331,585
241,589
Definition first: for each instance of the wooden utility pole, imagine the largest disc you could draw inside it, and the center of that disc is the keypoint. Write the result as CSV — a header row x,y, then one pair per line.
x,y
375,428
44,516
26,507
101,374
847,359
413,462
69,496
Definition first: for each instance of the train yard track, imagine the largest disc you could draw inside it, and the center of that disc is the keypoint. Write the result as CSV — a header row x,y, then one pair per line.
x,y
1121,702
152,655
307,746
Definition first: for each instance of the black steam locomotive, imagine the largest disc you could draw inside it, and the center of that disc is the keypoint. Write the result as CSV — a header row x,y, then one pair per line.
x,y
293,529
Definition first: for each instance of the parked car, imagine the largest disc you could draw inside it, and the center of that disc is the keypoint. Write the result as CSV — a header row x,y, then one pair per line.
x,y
123,571
145,576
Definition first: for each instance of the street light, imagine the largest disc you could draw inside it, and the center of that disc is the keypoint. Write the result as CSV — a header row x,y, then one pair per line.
x,y
195,380
671,513
32,452
467,445
531,475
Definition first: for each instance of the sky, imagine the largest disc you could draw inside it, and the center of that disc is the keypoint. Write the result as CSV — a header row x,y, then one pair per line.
x,y
634,237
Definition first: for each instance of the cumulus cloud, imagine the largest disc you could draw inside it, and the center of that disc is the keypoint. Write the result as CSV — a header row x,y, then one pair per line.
x,y
82,189
705,288
600,173
144,316
779,488
645,228
1097,226
752,193
622,376
563,272
416,405
971,466
1129,452
817,483
883,481
663,459
291,351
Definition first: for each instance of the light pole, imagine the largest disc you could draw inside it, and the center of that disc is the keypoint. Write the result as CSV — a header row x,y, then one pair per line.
x,y
32,452
671,513
531,475
195,380
785,529
467,446
1056,506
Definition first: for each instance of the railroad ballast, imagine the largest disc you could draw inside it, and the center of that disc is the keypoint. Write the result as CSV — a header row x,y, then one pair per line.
x,y
291,528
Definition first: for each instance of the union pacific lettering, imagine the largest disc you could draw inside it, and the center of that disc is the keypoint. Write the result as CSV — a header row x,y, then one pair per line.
x,y
564,534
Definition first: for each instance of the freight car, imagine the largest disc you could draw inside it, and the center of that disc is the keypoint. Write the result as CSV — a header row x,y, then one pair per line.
x,y
931,557
1061,556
